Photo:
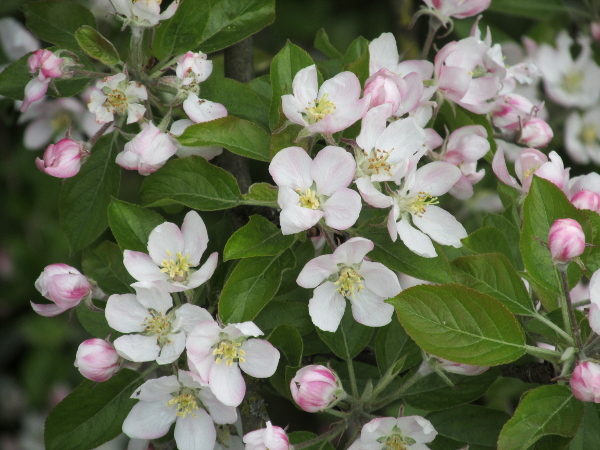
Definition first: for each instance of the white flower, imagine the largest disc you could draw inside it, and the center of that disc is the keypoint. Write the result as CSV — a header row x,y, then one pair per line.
x,y
143,13
148,151
160,331
218,354
269,438
313,189
411,432
346,275
201,111
582,136
117,96
187,402
172,254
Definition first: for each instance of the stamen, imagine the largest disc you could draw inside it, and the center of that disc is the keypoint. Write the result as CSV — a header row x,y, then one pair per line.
x,y
308,199
186,404
157,325
322,108
177,268
571,82
377,162
588,135
419,203
229,352
348,282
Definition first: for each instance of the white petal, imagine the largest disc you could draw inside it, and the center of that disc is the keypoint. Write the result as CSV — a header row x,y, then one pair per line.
x,y
371,195
187,316
415,240
195,237
296,219
164,242
149,420
379,279
342,209
436,178
261,358
316,271
219,412
369,309
137,348
227,383
326,307
172,349
305,85
155,299
157,387
332,169
204,273
195,433
352,251
291,167
141,267
403,139
201,111
125,314
47,310
441,226
372,126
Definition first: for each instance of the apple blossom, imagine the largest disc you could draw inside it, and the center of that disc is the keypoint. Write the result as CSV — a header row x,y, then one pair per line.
x,y
511,111
310,190
568,81
160,330
143,13
63,159
587,200
193,68
460,9
184,400
535,133
217,354
64,286
584,191
585,382
115,95
346,274
315,388
177,129
201,111
458,368
410,432
594,313
269,438
531,162
582,136
47,65
147,151
97,360
172,254
566,240
331,108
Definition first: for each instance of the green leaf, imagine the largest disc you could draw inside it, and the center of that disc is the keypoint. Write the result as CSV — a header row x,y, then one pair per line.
x,y
392,344
396,256
547,410
511,233
356,59
104,264
286,137
298,437
85,197
588,435
289,342
236,135
470,423
97,46
350,337
460,324
94,322
261,194
532,9
132,224
455,117
294,314
92,414
488,240
192,182
323,43
284,67
432,393
239,99
492,274
544,204
259,237
230,21
251,285
56,21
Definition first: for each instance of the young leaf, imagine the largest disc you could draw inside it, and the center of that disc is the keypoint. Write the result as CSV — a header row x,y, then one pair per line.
x,y
460,324
323,43
511,233
97,46
132,224
104,264
259,237
92,414
284,67
350,337
488,240
85,197
261,194
289,342
492,274
547,410
94,322
251,285
393,344
236,135
192,182
356,59
56,21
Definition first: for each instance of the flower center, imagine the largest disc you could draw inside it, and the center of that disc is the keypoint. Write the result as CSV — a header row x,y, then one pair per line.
x,y
177,268
115,100
348,282
230,352
418,204
377,163
571,81
157,325
589,135
186,404
61,121
308,199
322,107
394,442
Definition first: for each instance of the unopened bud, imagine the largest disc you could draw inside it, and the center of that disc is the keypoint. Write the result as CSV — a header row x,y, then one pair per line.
x,y
97,360
566,240
586,200
315,387
585,382
536,133
63,159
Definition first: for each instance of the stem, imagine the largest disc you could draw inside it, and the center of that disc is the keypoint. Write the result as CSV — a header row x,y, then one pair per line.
x,y
157,70
420,373
434,26
556,328
99,133
568,313
549,355
592,342
135,50
327,236
327,436
88,73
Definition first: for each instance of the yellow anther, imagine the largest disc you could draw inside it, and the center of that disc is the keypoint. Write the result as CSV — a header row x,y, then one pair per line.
x,y
230,352
377,163
186,404
349,282
177,268
418,204
322,108
588,135
571,81
61,121
308,199
157,325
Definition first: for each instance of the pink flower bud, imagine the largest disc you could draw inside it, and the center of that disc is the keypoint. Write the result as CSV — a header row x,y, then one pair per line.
x,y
510,110
271,438
383,89
48,64
97,360
585,382
460,369
61,160
595,30
64,286
566,240
147,151
193,67
315,387
586,200
536,133
34,91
